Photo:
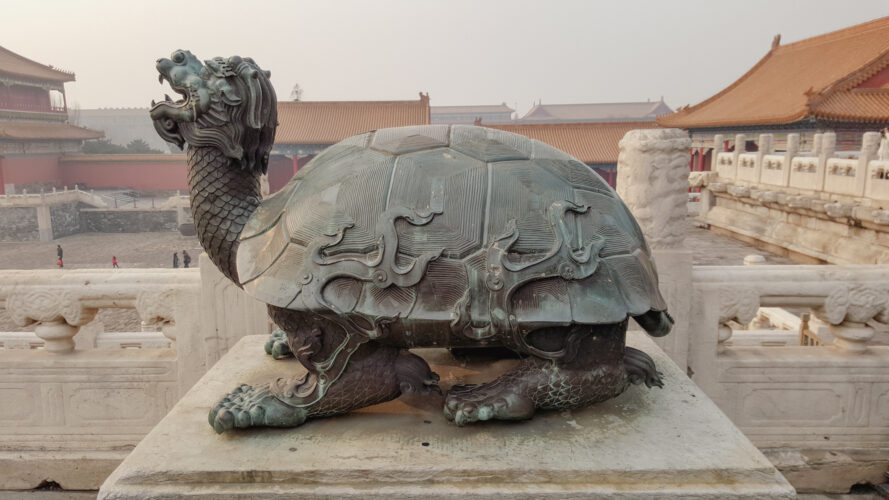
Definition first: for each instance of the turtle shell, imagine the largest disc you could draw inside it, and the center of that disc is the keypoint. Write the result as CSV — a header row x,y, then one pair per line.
x,y
459,228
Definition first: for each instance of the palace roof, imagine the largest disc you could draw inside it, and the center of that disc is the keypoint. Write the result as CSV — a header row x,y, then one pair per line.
x,y
840,75
327,122
590,142
596,112
14,64
16,130
482,108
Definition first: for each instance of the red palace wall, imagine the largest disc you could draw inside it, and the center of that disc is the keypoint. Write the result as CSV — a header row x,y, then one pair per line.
x,y
140,172
31,169
280,172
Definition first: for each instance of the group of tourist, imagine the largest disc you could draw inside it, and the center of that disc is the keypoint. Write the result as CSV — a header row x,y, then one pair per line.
x,y
186,259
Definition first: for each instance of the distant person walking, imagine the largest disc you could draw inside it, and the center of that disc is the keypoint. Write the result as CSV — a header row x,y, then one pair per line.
x,y
114,262
186,259
59,251
175,260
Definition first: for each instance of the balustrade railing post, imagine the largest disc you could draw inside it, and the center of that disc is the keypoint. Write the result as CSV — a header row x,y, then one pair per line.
x,y
57,313
848,309
652,171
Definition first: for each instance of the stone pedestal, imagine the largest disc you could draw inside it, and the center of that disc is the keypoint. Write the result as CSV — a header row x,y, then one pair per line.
x,y
670,442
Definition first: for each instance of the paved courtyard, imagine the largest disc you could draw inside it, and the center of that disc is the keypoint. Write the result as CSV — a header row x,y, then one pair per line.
x,y
147,250
94,251
153,250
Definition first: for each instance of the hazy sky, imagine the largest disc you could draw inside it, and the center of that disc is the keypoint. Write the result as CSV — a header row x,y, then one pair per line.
x,y
460,51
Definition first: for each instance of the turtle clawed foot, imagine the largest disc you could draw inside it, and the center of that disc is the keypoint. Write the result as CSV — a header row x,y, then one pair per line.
x,y
249,406
277,347
640,368
465,404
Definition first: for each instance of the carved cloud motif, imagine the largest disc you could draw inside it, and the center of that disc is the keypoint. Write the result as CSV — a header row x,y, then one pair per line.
x,y
46,304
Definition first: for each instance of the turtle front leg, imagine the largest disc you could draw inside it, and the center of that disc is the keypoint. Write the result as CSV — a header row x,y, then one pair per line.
x,y
374,374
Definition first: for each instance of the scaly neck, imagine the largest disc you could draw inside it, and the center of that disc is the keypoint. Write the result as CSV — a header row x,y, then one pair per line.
x,y
222,198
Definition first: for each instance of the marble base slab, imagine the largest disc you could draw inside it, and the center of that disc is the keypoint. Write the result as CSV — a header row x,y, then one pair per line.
x,y
669,443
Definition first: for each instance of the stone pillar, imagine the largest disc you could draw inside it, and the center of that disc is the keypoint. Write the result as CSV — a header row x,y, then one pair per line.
x,y
792,150
740,147
870,142
175,310
652,172
44,223
826,150
765,148
718,147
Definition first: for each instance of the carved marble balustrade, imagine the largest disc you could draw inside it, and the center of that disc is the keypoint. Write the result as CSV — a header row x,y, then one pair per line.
x,y
820,205
812,392
820,411
75,399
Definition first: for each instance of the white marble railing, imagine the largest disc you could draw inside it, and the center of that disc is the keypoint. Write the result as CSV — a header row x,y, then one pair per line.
x,y
782,394
65,195
71,393
821,170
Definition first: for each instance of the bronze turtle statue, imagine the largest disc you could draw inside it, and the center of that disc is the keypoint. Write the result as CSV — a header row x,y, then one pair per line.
x,y
421,236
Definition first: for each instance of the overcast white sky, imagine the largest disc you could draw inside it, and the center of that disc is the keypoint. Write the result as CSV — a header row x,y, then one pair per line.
x,y
460,51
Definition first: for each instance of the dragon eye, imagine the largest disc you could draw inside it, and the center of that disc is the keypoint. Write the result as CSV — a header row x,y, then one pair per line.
x,y
178,57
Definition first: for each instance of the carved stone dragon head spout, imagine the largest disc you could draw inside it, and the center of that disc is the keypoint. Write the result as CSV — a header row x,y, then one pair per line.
x,y
228,104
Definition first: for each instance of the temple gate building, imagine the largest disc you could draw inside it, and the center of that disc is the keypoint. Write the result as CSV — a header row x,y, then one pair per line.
x,y
836,82
305,128
34,128
467,115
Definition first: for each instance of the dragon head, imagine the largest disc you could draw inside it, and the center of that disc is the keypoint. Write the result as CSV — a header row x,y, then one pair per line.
x,y
229,104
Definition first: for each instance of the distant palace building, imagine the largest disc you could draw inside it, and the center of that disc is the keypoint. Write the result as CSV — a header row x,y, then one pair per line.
x,y
837,82
34,131
122,125
467,115
597,112
305,128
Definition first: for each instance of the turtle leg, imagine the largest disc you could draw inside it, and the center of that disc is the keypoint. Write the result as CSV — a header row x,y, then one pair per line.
x,y
362,374
277,346
587,366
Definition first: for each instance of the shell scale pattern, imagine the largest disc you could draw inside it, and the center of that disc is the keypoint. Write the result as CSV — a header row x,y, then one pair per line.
x,y
477,229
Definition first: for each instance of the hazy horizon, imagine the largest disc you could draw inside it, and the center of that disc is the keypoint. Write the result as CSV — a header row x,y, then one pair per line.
x,y
462,52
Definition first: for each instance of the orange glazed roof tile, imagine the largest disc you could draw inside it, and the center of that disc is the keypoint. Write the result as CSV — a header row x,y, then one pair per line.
x,y
327,122
589,142
14,64
37,131
812,77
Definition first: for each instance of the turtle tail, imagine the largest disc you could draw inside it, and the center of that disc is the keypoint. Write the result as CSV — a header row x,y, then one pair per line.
x,y
656,323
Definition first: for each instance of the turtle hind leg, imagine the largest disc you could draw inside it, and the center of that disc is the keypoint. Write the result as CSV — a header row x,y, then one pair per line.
x,y
588,368
375,374
640,368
